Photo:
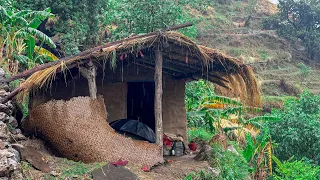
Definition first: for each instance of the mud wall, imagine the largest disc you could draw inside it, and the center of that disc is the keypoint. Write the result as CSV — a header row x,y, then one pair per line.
x,y
78,129
113,87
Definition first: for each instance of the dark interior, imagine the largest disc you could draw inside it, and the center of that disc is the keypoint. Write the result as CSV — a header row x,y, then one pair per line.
x,y
140,102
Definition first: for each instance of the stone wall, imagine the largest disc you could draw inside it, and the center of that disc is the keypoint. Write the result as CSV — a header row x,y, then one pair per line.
x,y
9,157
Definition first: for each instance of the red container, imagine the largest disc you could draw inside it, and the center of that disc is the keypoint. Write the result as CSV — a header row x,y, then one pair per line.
x,y
193,146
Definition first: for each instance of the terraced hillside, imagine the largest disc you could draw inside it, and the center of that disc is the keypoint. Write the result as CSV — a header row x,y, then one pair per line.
x,y
236,29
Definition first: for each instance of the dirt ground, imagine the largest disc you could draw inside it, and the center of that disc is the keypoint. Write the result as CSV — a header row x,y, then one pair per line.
x,y
175,168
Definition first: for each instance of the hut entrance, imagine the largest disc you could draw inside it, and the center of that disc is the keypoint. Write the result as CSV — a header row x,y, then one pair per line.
x,y
140,102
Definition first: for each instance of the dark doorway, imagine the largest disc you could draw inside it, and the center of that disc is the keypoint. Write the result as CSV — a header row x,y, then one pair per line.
x,y
140,102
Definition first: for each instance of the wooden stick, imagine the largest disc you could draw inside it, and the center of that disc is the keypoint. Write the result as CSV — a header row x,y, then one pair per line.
x,y
158,98
90,74
87,52
11,95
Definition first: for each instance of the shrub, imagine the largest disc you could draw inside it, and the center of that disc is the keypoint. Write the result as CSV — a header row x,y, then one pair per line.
x,y
199,134
298,131
230,165
297,170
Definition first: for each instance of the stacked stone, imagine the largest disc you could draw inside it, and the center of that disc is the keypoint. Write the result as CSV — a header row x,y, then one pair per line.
x,y
9,157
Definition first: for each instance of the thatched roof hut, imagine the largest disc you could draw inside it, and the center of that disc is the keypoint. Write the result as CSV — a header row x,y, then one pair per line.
x,y
141,77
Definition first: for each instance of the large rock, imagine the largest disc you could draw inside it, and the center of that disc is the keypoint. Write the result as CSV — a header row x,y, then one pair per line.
x,y
34,157
13,122
8,163
112,172
204,153
5,109
4,131
4,117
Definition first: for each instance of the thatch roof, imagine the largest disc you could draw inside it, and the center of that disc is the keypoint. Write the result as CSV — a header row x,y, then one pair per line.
x,y
183,58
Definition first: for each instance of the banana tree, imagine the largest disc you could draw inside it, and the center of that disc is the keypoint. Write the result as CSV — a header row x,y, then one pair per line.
x,y
18,38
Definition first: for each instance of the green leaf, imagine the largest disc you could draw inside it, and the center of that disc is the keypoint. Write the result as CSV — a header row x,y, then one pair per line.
x,y
250,148
41,36
30,43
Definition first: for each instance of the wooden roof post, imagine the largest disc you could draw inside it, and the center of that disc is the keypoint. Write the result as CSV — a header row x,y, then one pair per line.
x,y
158,98
90,73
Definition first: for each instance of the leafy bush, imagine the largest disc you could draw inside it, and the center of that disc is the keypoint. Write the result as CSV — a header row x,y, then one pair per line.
x,y
302,169
298,132
199,133
202,175
230,165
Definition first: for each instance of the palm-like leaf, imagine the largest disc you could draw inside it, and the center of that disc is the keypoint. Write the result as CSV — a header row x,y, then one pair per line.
x,y
222,99
41,36
45,52
263,118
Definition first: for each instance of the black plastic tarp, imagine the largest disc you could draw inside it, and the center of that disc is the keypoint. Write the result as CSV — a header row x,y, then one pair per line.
x,y
134,127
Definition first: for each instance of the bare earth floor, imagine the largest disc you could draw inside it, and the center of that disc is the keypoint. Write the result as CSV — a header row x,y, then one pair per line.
x,y
176,168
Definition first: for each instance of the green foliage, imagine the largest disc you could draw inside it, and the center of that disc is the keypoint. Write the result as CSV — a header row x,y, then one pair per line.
x,y
19,36
258,151
231,166
195,91
304,71
202,175
77,23
197,134
294,169
136,16
299,19
298,131
263,54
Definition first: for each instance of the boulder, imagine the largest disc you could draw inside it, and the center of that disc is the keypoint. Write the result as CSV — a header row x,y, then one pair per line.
x,y
112,172
232,149
204,153
8,163
4,117
34,157
5,109
13,122
4,131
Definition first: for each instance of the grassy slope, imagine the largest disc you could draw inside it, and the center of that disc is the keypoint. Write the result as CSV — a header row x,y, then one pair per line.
x,y
272,57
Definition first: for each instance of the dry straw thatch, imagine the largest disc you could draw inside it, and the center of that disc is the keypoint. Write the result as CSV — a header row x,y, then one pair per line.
x,y
79,130
194,61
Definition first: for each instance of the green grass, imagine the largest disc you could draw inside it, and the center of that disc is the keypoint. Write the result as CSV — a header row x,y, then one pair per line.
x,y
66,169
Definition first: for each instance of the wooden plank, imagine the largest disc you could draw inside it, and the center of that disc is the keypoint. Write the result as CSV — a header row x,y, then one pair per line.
x,y
158,98
90,74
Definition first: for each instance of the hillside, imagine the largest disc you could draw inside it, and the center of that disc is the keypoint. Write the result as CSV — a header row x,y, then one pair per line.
x,y
236,29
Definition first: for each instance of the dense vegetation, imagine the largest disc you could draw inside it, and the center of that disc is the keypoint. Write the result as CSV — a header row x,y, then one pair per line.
x,y
36,31
299,20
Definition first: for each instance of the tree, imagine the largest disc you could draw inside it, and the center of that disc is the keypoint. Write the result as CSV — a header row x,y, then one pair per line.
x,y
18,37
143,16
77,23
300,19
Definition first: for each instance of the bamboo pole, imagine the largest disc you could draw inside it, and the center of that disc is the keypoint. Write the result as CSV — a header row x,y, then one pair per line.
x,y
158,98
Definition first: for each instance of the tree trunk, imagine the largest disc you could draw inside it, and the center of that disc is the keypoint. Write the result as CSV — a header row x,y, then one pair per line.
x,y
90,73
158,98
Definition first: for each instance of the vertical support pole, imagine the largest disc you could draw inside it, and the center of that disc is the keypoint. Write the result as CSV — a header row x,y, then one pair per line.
x,y
158,98
90,73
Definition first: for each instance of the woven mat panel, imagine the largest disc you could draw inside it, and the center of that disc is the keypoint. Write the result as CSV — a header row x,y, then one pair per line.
x,y
78,129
